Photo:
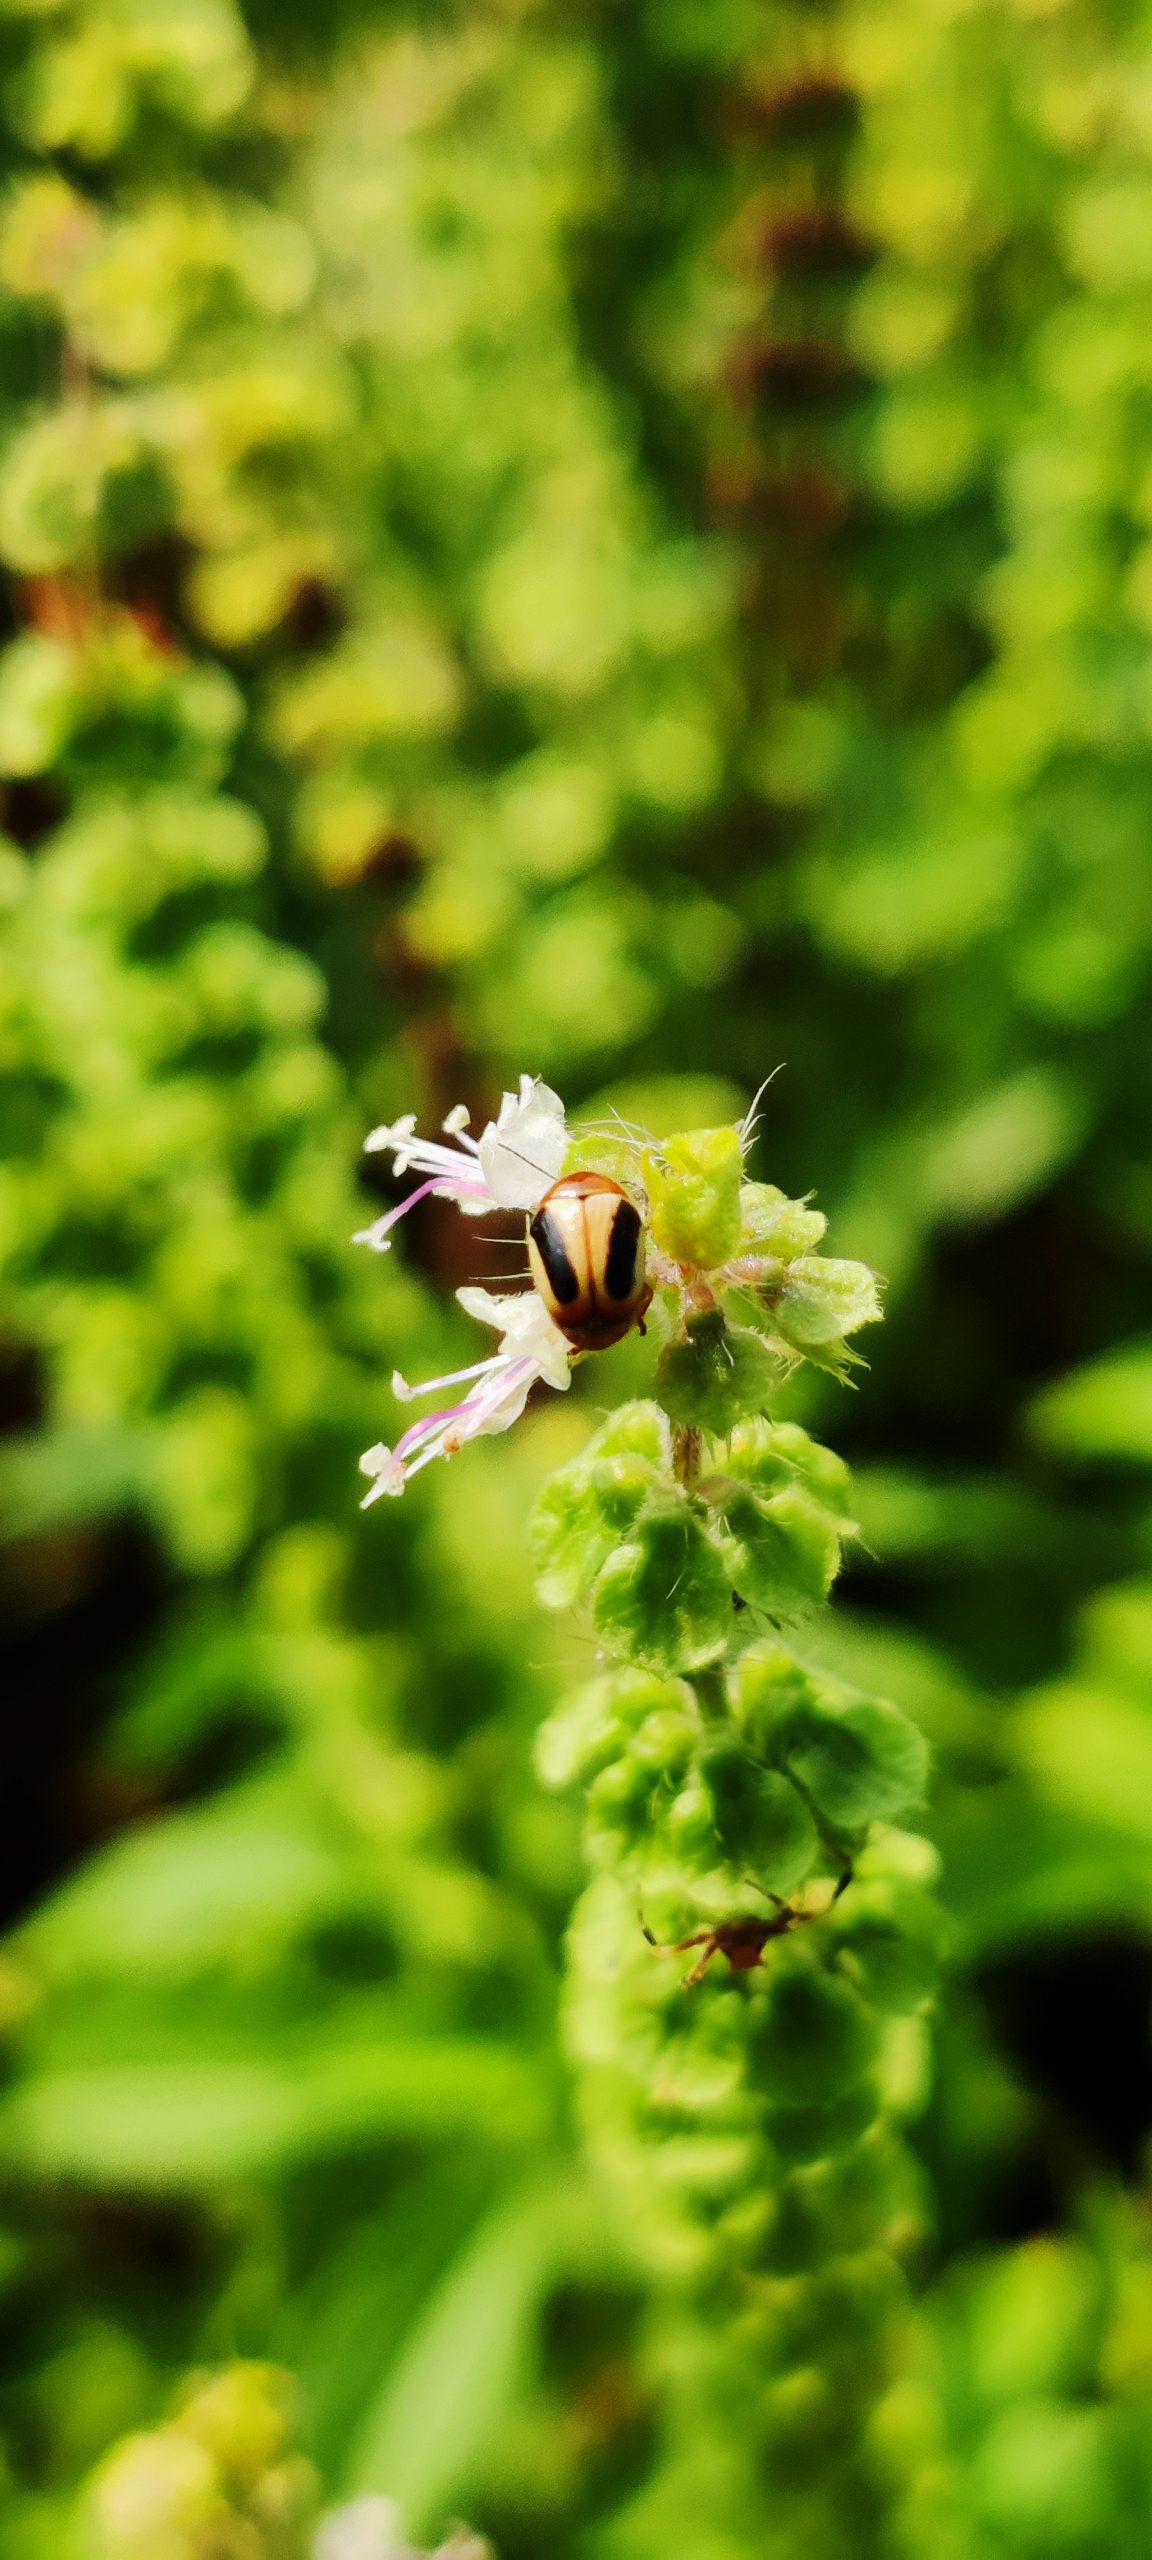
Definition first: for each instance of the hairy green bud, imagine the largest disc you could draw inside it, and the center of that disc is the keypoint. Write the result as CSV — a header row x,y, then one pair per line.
x,y
694,1194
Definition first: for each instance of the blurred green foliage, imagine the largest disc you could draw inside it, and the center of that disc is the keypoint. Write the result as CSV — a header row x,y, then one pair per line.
x,y
614,543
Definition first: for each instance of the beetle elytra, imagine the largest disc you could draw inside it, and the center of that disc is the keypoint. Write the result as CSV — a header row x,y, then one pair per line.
x,y
586,1256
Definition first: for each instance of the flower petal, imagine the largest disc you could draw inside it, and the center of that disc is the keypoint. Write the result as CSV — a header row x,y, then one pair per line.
x,y
523,1150
527,1328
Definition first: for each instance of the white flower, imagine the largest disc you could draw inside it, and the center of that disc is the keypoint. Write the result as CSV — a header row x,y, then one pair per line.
x,y
531,1349
511,1166
371,2529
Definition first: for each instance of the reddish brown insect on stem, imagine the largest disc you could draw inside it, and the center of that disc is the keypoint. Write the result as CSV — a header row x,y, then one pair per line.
x,y
744,1938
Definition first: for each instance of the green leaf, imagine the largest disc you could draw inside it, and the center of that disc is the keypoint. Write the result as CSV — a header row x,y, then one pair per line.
x,y
1103,1410
720,1373
164,2127
460,2368
663,1599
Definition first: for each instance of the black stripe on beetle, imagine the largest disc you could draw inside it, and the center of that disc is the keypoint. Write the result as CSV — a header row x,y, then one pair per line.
x,y
620,1259
562,1279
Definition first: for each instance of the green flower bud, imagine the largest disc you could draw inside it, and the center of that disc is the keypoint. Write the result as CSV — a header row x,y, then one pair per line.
x,y
618,1797
780,1551
860,1759
814,2038
156,2497
689,1824
770,1223
663,1598
717,1374
665,1742
694,1195
242,2417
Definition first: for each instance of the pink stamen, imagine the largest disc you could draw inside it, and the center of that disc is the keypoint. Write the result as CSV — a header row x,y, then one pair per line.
x,y
434,1435
443,1188
427,1428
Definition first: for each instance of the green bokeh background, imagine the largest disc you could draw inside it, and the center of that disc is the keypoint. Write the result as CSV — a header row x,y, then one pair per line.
x,y
615,542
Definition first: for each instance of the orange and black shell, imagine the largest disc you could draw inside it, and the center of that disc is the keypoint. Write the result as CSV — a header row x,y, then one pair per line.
x,y
586,1256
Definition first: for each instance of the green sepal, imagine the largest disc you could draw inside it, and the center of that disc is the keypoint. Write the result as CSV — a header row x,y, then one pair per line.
x,y
689,1823
579,1516
814,2038
774,1454
771,1696
890,1931
761,1823
860,1759
593,1725
800,2135
618,1801
781,1550
694,1194
663,1598
716,1374
613,1156
770,1223
820,1300
636,1430
846,2204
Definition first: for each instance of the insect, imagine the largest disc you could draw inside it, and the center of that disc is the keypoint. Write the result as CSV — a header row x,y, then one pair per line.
x,y
744,1939
586,1256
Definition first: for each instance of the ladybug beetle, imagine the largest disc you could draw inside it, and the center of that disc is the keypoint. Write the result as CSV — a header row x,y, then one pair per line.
x,y
586,1256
